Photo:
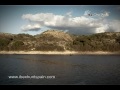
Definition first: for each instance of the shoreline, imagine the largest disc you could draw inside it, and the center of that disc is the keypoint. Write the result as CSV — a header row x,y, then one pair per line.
x,y
61,52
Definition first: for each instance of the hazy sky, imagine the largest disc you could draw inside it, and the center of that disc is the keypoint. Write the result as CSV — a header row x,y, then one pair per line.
x,y
78,19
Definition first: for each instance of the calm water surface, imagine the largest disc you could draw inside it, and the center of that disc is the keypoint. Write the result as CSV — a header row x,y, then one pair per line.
x,y
71,70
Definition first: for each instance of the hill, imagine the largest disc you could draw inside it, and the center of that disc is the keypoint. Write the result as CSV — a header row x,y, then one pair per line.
x,y
56,40
53,40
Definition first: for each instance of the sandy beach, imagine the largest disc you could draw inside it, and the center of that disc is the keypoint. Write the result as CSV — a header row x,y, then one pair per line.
x,y
57,52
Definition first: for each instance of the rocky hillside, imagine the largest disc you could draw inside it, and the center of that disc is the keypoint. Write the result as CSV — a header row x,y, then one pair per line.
x,y
56,40
53,40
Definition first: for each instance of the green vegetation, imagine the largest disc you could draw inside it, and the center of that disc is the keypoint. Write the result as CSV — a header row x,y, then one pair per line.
x,y
17,45
49,47
60,41
4,44
96,42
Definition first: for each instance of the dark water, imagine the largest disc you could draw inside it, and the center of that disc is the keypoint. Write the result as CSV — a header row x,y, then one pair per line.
x,y
72,70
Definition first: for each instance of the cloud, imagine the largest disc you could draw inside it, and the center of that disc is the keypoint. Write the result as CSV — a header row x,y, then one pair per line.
x,y
38,17
69,14
104,14
87,12
77,25
29,27
114,26
100,15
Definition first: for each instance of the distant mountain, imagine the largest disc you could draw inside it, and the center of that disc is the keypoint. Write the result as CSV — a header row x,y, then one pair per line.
x,y
56,40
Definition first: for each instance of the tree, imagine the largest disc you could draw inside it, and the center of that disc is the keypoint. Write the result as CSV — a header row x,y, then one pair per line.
x,y
4,43
17,45
118,40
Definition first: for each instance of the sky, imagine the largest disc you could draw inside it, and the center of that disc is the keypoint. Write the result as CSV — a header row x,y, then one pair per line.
x,y
75,19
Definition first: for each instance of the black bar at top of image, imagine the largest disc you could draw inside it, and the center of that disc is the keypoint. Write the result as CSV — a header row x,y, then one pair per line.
x,y
60,2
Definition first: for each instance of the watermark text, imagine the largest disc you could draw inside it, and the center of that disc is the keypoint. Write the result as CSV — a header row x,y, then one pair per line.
x,y
31,77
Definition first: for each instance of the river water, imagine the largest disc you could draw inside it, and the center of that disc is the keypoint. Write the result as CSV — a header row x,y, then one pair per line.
x,y
59,70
